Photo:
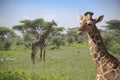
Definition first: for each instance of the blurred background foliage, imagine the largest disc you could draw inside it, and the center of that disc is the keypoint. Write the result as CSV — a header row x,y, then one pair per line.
x,y
32,29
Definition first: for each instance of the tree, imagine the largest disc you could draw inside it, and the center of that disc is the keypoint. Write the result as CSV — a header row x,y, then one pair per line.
x,y
113,24
71,35
6,37
30,29
56,37
34,27
112,38
58,41
57,31
70,40
5,32
106,37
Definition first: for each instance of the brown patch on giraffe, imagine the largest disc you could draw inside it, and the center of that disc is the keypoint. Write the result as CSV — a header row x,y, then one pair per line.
x,y
96,63
99,70
95,31
103,54
99,44
118,77
98,58
103,60
97,49
99,78
94,56
105,68
92,43
115,65
97,37
118,70
92,50
110,75
113,62
91,36
110,63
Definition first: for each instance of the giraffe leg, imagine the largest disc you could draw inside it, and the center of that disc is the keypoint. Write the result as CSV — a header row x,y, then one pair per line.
x,y
33,57
33,54
40,55
44,55
34,60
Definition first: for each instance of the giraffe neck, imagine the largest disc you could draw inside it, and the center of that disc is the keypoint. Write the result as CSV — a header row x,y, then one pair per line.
x,y
45,35
104,61
97,47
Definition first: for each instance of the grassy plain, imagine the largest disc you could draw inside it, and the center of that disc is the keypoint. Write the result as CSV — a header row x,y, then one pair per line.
x,y
70,62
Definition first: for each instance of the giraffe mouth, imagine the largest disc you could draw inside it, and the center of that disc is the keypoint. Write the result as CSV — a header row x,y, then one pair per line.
x,y
79,32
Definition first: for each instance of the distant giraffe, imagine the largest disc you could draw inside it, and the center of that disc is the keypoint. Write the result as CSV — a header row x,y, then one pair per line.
x,y
107,65
40,43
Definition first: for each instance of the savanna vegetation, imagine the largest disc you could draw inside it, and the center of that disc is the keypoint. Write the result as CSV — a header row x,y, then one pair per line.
x,y
67,56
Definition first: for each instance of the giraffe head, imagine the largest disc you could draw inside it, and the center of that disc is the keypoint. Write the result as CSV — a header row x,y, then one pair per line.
x,y
53,23
87,23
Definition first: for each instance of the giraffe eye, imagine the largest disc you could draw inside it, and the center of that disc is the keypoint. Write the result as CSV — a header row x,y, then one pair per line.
x,y
89,24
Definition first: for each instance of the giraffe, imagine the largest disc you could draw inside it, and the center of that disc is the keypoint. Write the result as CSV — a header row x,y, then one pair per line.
x,y
40,43
107,65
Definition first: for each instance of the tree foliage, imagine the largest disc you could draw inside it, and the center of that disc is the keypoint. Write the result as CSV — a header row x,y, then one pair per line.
x,y
30,26
112,36
113,24
5,32
72,36
6,37
33,29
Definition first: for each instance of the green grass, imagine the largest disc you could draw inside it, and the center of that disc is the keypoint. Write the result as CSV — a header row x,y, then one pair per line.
x,y
71,62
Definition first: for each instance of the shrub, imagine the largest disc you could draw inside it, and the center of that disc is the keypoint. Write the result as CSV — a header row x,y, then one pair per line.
x,y
21,75
13,75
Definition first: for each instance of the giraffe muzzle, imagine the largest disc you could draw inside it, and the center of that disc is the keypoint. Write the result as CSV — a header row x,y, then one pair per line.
x,y
79,32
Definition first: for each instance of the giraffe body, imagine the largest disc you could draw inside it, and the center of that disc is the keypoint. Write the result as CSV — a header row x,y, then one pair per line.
x,y
41,44
107,65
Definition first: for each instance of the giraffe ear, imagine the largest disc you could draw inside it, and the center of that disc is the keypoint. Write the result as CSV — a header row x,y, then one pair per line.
x,y
79,17
99,19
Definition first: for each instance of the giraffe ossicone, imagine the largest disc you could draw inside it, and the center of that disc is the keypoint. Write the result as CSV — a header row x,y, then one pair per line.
x,y
107,65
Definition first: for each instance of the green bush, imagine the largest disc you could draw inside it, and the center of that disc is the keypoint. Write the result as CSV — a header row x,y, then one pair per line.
x,y
70,40
21,75
58,41
5,45
14,75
